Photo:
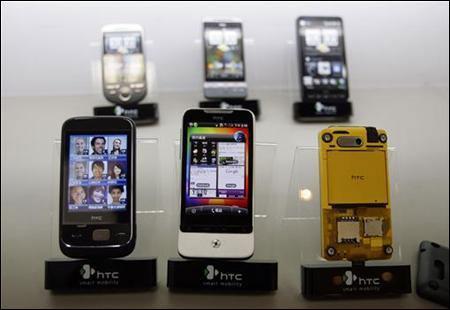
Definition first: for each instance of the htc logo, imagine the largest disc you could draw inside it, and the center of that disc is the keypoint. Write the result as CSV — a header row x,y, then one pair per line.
x,y
324,109
358,178
212,273
349,278
98,218
133,113
87,272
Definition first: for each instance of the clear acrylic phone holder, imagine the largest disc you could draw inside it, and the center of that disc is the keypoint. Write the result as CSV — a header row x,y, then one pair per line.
x,y
301,218
265,213
301,222
150,213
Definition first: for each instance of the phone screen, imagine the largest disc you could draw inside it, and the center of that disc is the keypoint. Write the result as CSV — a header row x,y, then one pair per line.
x,y
123,59
217,176
224,52
97,179
322,58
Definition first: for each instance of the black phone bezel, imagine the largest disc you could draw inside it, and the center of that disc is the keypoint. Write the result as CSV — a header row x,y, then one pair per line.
x,y
86,247
301,63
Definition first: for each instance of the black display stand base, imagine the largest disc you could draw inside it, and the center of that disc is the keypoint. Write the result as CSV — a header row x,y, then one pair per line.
x,y
142,113
322,112
356,281
252,105
63,275
222,275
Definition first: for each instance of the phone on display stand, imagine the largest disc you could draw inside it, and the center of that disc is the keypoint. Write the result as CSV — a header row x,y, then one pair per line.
x,y
123,64
97,196
224,64
323,70
217,147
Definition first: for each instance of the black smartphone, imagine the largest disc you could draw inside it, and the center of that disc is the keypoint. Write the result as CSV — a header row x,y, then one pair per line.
x,y
97,181
321,58
217,184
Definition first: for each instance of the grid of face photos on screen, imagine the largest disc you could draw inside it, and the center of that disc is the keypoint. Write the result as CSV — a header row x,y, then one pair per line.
x,y
98,173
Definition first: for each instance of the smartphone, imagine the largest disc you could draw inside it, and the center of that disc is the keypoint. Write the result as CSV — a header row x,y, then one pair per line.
x,y
217,184
321,58
432,272
97,196
123,62
224,59
355,203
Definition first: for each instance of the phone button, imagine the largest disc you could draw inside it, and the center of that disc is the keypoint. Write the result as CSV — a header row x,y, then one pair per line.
x,y
122,237
125,93
101,235
216,243
76,236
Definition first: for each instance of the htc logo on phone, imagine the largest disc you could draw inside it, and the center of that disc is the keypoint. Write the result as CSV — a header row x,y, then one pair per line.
x,y
358,178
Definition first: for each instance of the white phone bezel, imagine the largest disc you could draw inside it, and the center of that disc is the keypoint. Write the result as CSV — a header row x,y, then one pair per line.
x,y
232,245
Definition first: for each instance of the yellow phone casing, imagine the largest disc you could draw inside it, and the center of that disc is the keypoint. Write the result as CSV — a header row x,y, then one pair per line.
x,y
355,202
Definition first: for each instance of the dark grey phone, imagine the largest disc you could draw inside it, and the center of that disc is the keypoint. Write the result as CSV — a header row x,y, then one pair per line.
x,y
97,187
432,274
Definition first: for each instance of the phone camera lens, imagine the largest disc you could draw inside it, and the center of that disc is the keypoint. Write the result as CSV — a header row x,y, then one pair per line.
x,y
327,137
358,141
383,138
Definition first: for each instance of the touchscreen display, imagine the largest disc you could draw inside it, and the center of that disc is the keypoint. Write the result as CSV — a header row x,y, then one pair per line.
x,y
217,169
123,59
324,69
224,52
98,175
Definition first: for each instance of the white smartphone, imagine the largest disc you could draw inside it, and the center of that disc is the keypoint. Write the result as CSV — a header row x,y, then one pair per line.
x,y
123,64
224,59
217,184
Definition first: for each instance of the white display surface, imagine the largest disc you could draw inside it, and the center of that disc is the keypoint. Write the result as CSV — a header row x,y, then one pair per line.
x,y
387,44
417,122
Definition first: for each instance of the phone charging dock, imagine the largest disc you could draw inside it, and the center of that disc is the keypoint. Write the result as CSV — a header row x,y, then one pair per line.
x,y
233,103
141,113
222,275
322,111
86,275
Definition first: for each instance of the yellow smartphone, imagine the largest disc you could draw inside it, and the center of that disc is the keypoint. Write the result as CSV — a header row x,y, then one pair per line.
x,y
354,194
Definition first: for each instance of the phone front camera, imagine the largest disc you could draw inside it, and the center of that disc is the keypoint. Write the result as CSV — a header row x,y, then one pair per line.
x,y
358,141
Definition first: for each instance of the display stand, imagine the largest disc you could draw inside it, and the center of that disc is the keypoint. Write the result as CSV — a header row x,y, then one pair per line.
x,y
324,279
200,274
135,272
233,103
311,110
320,111
260,273
142,113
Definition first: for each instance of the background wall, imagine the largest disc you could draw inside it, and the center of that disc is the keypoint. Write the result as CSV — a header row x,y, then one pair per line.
x,y
54,48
